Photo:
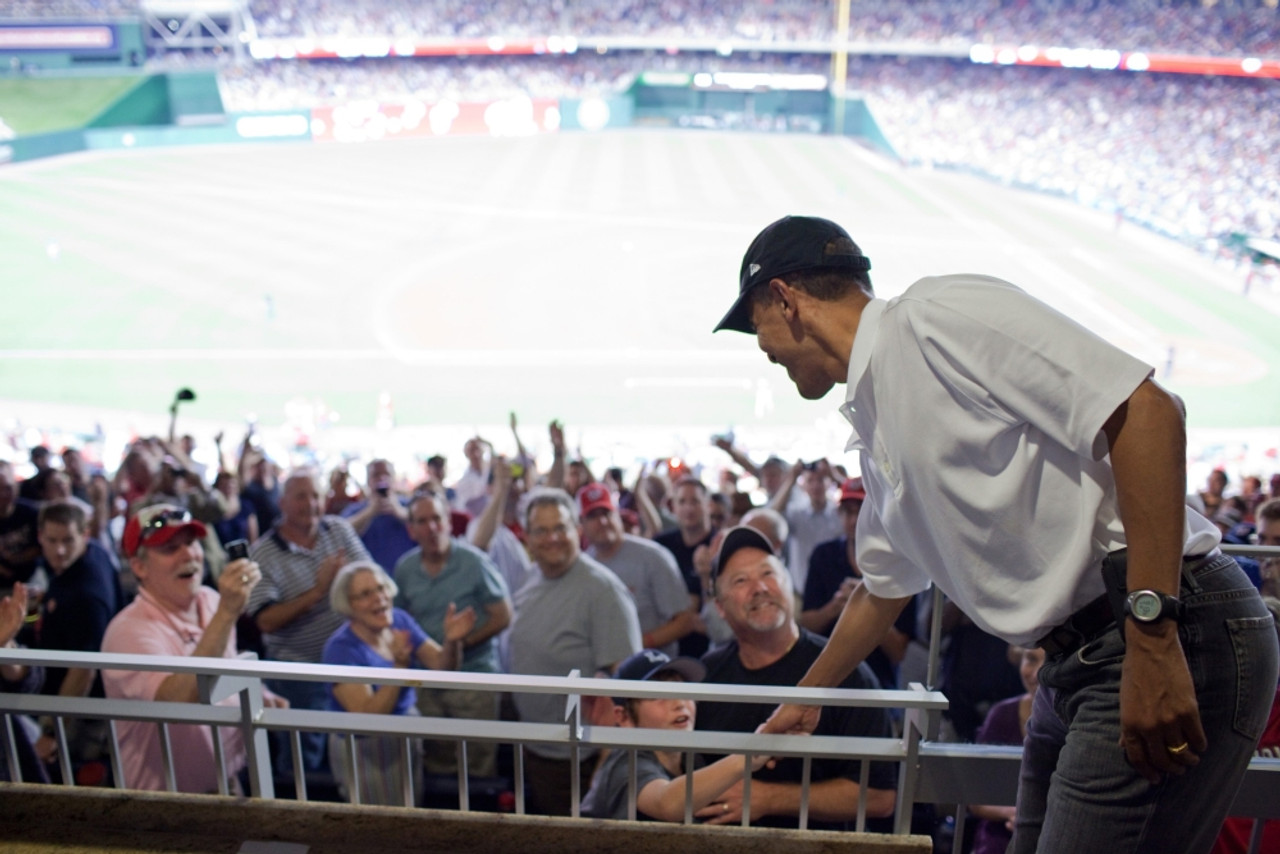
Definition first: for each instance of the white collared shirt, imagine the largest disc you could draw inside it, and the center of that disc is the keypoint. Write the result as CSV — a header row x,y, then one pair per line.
x,y
977,412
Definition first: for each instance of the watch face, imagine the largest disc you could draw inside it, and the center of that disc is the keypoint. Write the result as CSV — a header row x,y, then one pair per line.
x,y
1145,606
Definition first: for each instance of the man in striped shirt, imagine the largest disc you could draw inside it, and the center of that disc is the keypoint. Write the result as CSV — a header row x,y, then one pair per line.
x,y
299,558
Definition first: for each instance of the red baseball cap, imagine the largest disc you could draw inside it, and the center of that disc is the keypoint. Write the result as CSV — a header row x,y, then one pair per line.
x,y
593,496
851,490
156,525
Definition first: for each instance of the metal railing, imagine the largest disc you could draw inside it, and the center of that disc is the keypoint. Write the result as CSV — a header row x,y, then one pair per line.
x,y
242,678
929,771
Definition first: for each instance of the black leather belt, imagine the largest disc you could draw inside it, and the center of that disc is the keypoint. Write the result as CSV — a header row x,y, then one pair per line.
x,y
1082,626
1096,617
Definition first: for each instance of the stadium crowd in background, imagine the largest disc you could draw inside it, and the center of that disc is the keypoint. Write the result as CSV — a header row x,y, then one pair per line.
x,y
1191,157
1240,28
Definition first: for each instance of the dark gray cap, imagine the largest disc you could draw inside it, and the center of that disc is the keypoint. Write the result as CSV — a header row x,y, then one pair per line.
x,y
791,244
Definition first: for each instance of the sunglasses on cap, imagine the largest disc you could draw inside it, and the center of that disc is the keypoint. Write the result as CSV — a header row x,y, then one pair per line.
x,y
164,520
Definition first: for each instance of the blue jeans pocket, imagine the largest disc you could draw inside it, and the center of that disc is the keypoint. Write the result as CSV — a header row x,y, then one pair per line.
x,y
1255,672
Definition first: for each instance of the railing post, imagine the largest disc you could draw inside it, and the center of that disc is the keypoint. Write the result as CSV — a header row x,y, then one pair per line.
x,y
573,717
915,723
257,752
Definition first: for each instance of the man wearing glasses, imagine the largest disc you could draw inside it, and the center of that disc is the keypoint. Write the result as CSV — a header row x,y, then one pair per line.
x,y
573,614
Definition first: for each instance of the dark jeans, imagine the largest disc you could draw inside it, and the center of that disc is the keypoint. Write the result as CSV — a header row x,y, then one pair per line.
x,y
549,786
301,695
1078,793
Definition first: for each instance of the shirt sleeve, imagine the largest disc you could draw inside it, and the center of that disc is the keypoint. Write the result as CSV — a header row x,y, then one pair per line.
x,y
886,573
490,586
1018,358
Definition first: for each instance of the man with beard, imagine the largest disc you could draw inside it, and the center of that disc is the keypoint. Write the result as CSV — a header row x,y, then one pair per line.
x,y
753,593
174,614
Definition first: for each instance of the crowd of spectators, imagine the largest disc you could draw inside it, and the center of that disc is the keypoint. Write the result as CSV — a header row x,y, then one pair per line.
x,y
334,551
1237,28
1230,29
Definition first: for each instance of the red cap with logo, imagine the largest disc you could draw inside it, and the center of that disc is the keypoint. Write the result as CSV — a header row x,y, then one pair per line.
x,y
593,496
851,490
156,525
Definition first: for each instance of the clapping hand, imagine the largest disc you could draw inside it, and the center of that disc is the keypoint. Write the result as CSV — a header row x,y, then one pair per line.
x,y
458,624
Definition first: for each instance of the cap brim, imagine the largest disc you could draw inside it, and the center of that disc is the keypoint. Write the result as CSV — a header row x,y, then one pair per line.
x,y
168,532
738,318
690,668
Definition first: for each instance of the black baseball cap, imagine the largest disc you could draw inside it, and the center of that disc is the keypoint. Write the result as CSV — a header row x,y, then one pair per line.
x,y
790,245
650,663
736,539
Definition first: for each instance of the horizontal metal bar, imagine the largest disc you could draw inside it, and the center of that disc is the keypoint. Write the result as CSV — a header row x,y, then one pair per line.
x,y
496,682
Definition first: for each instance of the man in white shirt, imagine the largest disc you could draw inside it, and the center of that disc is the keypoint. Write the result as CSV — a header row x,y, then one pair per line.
x,y
1006,452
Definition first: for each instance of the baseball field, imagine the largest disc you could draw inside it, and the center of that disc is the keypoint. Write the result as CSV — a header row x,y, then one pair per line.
x,y
572,276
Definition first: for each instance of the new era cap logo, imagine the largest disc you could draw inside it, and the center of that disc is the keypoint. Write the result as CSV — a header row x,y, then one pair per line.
x,y
753,269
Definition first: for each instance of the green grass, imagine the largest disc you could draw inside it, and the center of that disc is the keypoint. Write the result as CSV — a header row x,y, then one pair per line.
x,y
31,106
574,276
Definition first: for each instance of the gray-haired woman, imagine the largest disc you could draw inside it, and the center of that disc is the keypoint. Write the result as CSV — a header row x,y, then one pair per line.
x,y
379,635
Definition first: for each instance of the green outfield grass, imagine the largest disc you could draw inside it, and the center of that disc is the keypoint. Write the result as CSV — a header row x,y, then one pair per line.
x,y
40,105
574,276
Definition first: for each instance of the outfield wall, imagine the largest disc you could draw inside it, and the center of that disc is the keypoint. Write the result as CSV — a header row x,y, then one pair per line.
x,y
186,109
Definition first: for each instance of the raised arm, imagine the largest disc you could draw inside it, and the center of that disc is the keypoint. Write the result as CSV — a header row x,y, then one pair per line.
x,y
234,585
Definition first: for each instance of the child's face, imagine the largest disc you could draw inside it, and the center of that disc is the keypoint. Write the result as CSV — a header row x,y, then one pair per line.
x,y
667,713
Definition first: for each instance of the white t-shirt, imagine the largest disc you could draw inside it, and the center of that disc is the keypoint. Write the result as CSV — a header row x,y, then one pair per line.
x,y
977,412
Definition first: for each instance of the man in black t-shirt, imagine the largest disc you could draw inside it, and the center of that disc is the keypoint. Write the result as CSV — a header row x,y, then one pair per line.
x,y
19,550
753,594
693,518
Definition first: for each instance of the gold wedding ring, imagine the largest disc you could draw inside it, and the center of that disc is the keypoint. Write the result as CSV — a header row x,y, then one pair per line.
x,y
1177,748
244,579
726,807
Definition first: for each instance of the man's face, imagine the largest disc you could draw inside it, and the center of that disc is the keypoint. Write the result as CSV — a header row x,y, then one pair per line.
x,y
73,463
553,539
474,451
300,503
575,478
787,345
1269,532
171,572
815,485
1217,482
62,545
771,475
849,511
690,505
602,528
379,475
437,470
429,527
753,592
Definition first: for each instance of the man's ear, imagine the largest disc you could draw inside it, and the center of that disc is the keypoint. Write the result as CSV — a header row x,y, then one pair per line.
x,y
621,717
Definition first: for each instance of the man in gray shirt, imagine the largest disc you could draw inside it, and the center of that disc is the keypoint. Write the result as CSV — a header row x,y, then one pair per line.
x,y
573,614
663,603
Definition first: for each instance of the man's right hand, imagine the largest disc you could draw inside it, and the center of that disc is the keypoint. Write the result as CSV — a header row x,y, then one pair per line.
x,y
328,570
792,719
236,582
